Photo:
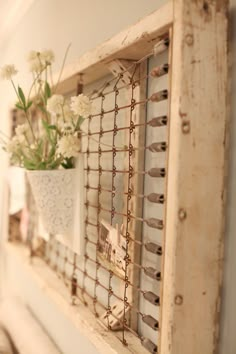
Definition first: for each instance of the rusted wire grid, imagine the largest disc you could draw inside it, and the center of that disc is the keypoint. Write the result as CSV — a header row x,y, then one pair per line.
x,y
127,256
156,248
116,93
65,260
153,172
85,246
152,197
99,169
118,319
155,73
130,238
154,122
96,225
154,147
73,281
98,214
156,274
155,97
151,222
112,293
159,48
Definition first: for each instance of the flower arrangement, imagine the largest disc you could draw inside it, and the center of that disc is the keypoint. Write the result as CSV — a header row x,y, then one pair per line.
x,y
57,140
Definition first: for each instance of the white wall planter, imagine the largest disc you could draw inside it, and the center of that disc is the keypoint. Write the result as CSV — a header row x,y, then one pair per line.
x,y
59,198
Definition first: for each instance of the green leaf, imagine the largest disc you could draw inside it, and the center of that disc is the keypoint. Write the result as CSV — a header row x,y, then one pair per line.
x,y
42,166
29,165
42,109
52,152
46,127
40,147
18,105
79,122
55,164
68,163
22,96
29,104
53,127
47,90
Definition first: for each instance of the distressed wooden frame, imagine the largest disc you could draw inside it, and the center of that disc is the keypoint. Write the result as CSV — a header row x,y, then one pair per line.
x,y
196,179
192,261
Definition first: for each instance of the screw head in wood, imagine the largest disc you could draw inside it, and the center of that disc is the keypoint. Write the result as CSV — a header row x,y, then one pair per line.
x,y
182,214
179,300
185,127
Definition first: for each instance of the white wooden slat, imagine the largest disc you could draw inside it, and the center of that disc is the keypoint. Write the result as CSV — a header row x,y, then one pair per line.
x,y
196,177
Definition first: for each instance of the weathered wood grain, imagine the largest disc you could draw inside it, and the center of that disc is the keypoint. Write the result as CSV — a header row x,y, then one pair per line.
x,y
196,179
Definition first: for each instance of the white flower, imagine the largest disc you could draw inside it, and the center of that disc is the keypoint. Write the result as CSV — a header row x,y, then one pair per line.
x,y
13,145
47,56
33,55
22,129
55,104
68,146
65,116
39,60
35,62
36,66
81,105
7,72
67,113
21,138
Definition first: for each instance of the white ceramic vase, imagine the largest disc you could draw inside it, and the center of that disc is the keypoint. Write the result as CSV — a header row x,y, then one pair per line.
x,y
56,197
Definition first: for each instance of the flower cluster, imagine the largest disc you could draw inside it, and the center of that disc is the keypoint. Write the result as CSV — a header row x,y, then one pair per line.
x,y
7,72
81,105
38,61
55,104
55,140
69,116
68,146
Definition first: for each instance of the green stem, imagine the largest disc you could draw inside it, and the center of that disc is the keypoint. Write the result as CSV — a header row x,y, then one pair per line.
x,y
15,90
35,80
51,77
28,120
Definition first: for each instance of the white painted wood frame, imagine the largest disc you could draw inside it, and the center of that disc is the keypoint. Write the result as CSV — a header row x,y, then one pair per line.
x,y
196,179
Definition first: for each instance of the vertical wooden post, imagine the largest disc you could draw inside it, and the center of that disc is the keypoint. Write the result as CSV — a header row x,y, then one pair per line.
x,y
192,267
